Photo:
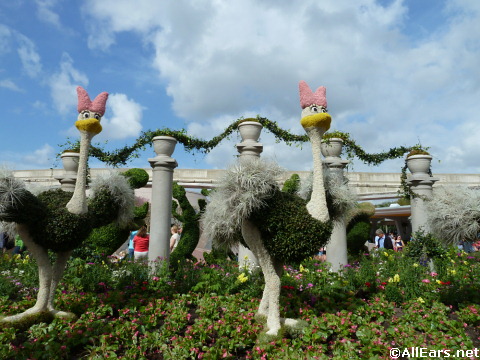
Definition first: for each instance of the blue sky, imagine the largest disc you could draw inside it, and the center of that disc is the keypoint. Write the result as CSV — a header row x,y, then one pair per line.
x,y
397,72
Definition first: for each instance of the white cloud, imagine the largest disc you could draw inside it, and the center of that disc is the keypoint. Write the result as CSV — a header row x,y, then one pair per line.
x,y
29,56
221,59
45,12
43,156
63,85
9,84
124,122
5,38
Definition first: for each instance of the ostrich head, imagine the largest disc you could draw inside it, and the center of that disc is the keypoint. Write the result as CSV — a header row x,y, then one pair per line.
x,y
314,105
90,112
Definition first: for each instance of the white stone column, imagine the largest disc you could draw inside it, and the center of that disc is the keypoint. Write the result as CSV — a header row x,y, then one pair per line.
x,y
422,187
161,208
70,165
249,148
337,246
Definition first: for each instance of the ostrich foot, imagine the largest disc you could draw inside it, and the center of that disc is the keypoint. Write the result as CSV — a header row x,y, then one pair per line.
x,y
34,316
63,314
294,327
26,319
290,327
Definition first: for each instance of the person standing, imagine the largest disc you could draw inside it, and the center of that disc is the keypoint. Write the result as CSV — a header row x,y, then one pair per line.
x,y
19,247
3,242
140,244
174,238
131,249
399,244
383,241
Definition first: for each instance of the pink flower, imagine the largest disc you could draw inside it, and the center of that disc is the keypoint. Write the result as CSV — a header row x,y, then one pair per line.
x,y
425,281
433,274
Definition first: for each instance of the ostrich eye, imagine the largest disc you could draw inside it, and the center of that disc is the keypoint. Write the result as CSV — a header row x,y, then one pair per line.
x,y
314,109
86,114
97,116
324,110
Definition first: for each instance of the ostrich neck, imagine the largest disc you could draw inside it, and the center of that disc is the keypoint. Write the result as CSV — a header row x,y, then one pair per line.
x,y
317,206
78,203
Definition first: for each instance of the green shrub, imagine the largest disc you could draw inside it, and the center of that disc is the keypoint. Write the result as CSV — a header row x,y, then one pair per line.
x,y
137,178
357,236
292,185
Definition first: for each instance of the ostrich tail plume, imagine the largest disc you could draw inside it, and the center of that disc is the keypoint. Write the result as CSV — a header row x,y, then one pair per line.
x,y
243,189
117,185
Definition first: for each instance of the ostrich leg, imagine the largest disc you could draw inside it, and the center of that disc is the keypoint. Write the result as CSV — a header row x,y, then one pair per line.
x,y
57,273
271,271
44,274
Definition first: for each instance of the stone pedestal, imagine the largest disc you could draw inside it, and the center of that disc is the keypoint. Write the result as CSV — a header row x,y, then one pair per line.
x,y
70,165
248,148
337,246
161,208
421,185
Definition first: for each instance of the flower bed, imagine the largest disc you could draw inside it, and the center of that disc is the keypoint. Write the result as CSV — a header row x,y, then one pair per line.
x,y
207,311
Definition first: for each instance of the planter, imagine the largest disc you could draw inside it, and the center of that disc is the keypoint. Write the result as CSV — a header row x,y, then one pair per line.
x,y
333,148
250,131
164,145
419,164
70,162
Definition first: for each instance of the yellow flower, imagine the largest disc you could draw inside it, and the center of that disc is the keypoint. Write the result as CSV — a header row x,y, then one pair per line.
x,y
302,269
396,278
385,253
439,282
416,265
390,280
242,278
465,262
420,300
453,262
453,272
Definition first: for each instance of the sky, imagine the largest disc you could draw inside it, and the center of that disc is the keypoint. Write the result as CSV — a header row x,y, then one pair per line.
x,y
397,72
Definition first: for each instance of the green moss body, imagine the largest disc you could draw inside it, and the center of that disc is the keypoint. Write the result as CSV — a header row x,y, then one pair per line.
x,y
106,239
289,232
52,226
191,228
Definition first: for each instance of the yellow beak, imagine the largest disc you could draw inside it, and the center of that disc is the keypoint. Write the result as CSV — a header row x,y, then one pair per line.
x,y
91,125
321,120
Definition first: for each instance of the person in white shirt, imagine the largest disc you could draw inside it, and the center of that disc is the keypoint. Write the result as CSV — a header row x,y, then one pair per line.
x,y
174,238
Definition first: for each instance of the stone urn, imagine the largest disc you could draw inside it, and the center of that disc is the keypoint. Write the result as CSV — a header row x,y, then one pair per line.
x,y
333,148
164,145
70,162
250,131
419,164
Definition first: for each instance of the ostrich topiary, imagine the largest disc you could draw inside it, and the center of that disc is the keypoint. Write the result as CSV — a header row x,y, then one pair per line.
x,y
191,227
278,227
57,221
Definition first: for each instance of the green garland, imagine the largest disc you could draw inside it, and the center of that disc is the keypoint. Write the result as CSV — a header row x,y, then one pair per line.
x,y
123,155
191,143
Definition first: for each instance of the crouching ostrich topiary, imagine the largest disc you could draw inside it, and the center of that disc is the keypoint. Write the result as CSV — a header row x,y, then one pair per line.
x,y
57,221
278,227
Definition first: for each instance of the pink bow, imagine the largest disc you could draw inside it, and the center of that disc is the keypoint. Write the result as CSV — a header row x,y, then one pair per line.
x,y
307,97
97,105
